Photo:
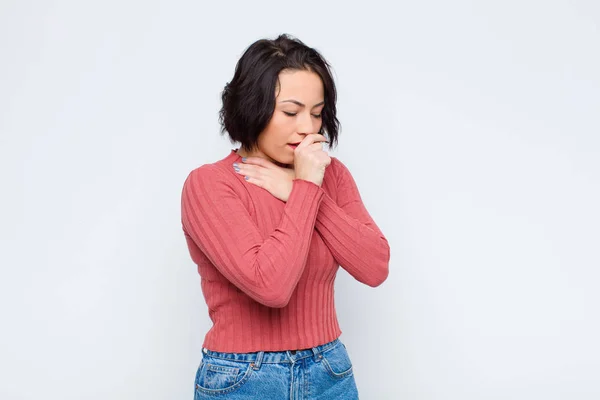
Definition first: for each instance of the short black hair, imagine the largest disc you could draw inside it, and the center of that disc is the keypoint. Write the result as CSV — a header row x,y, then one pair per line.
x,y
249,99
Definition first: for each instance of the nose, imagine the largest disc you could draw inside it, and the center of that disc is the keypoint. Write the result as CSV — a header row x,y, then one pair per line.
x,y
306,124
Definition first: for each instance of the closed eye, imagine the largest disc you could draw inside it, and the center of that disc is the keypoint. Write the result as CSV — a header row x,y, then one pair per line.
x,y
294,114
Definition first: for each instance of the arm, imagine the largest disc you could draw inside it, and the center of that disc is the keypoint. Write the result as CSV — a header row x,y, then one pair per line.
x,y
350,233
267,270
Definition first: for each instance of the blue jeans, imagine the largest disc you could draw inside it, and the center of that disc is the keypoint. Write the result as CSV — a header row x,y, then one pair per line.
x,y
323,372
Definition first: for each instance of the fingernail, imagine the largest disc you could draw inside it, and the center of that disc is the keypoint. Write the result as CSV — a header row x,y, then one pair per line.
x,y
246,178
244,159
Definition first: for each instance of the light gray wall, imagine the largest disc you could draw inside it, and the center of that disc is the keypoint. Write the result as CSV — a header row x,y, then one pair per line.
x,y
471,128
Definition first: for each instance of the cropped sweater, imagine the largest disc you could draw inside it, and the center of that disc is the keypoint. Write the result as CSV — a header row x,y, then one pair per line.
x,y
267,267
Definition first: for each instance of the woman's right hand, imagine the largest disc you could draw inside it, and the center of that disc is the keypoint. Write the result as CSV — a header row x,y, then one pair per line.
x,y
310,160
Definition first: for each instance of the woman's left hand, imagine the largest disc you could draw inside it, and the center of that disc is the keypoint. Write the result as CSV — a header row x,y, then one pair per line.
x,y
265,174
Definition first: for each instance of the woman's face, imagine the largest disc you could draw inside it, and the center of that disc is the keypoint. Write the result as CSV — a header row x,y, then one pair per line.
x,y
299,102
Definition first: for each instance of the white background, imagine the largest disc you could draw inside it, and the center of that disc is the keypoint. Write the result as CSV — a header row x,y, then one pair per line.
x,y
471,128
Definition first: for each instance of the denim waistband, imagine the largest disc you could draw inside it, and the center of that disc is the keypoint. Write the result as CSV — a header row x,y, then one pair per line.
x,y
273,357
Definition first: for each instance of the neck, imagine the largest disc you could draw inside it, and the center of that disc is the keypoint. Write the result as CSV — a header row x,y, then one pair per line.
x,y
260,154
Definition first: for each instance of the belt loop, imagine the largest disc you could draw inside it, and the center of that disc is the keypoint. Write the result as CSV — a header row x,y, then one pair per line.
x,y
317,354
258,362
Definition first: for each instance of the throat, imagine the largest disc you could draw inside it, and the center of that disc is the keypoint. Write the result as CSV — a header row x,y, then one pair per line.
x,y
242,153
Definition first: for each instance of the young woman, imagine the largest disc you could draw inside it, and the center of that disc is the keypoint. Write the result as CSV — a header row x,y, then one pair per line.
x,y
269,225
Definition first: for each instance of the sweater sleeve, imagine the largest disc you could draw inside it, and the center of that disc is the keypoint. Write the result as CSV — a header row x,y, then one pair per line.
x,y
350,233
216,219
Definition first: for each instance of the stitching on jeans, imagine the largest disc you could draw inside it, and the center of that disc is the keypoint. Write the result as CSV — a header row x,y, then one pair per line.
x,y
327,347
232,388
332,372
336,374
246,361
220,368
306,378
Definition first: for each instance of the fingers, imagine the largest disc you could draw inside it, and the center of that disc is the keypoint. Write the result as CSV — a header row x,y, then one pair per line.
x,y
313,138
312,144
254,181
320,137
316,146
250,172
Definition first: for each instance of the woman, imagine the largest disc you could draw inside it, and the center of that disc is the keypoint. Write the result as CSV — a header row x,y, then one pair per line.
x,y
269,225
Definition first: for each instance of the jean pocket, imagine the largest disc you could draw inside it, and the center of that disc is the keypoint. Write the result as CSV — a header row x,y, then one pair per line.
x,y
217,376
337,361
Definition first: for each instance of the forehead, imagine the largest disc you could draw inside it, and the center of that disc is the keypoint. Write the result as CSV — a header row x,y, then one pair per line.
x,y
305,84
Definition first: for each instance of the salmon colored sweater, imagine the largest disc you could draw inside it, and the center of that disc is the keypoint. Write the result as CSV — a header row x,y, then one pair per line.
x,y
267,267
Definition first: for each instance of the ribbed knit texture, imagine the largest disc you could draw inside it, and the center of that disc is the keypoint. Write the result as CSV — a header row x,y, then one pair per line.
x,y
268,267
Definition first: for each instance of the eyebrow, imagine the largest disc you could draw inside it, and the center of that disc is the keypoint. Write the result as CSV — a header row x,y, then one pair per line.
x,y
300,104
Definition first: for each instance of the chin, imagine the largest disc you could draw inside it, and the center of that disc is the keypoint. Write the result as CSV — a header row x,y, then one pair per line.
x,y
285,163
289,161
283,160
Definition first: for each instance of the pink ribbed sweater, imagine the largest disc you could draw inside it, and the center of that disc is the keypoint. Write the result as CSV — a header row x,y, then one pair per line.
x,y
267,267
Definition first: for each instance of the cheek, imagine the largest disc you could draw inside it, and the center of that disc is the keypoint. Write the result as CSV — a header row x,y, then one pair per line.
x,y
281,125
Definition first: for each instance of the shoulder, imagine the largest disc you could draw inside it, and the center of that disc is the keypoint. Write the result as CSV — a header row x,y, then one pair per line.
x,y
216,171
209,178
337,164
337,169
337,177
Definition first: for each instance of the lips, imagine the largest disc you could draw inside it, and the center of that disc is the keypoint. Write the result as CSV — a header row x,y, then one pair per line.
x,y
293,145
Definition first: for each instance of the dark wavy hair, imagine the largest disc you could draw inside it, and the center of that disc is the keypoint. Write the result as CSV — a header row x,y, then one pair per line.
x,y
249,99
